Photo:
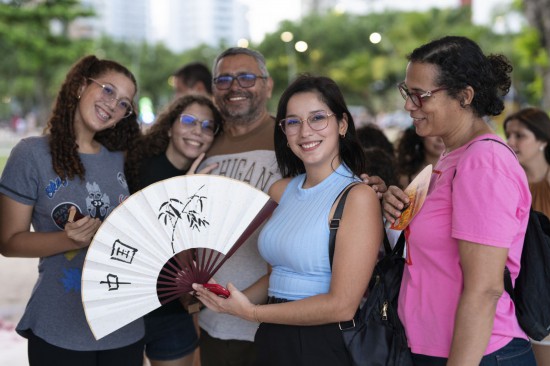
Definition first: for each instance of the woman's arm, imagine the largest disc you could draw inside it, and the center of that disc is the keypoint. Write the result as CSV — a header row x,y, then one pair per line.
x,y
16,239
483,271
357,245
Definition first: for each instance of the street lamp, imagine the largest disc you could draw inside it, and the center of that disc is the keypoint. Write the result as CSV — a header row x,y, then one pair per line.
x,y
299,46
287,37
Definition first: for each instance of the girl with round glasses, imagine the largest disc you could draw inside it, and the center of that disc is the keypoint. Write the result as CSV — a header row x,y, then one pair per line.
x,y
472,224
180,134
305,299
78,165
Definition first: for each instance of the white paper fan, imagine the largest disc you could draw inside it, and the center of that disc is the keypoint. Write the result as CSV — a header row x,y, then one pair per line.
x,y
162,239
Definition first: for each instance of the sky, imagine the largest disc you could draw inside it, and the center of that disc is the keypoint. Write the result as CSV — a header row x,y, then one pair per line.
x,y
265,15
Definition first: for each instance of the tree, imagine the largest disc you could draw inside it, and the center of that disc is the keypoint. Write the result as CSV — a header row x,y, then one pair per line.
x,y
537,13
35,46
339,47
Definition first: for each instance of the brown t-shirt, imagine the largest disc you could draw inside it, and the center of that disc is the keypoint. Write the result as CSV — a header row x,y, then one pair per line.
x,y
261,138
540,193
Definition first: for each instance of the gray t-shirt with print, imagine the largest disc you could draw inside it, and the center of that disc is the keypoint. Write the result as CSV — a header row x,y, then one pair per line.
x,y
55,312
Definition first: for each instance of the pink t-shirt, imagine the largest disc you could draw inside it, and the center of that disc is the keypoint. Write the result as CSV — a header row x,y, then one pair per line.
x,y
486,202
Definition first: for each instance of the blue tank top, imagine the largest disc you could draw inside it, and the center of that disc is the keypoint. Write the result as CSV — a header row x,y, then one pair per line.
x,y
295,239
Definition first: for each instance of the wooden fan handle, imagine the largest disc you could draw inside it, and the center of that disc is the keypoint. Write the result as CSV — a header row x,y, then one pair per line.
x,y
217,289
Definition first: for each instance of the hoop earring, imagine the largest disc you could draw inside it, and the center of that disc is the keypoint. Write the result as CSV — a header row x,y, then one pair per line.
x,y
288,145
343,136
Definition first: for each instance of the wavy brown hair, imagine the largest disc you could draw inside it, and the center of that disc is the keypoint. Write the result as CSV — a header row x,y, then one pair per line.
x,y
156,140
60,128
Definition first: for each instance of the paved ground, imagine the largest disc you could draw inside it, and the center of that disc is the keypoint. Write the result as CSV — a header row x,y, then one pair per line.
x,y
17,278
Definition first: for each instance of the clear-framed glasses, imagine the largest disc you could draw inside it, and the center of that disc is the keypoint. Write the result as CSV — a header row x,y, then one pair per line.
x,y
246,80
208,126
317,121
416,98
108,94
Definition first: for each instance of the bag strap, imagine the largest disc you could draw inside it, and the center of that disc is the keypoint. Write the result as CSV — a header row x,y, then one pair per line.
x,y
335,224
335,221
507,276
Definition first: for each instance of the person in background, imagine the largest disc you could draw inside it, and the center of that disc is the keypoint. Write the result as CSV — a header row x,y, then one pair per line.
x,y
452,301
379,153
318,155
78,164
380,163
194,77
414,153
371,135
182,133
528,134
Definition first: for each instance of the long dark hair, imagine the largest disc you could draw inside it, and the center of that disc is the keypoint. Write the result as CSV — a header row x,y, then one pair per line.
x,y
350,149
62,138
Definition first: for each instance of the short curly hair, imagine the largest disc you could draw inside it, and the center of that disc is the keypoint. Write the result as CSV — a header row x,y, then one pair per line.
x,y
461,63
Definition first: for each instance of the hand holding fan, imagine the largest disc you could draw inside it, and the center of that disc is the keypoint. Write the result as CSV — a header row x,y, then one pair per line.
x,y
161,240
417,191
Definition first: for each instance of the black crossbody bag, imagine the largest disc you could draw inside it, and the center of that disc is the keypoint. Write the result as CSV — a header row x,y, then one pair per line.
x,y
376,336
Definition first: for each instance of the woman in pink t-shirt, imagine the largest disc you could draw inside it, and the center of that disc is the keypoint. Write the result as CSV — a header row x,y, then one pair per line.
x,y
473,221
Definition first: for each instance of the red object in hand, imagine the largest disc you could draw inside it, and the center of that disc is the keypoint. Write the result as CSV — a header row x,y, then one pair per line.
x,y
217,289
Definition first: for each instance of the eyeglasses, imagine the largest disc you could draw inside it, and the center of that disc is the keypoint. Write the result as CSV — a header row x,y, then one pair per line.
x,y
108,94
208,127
416,98
247,80
317,121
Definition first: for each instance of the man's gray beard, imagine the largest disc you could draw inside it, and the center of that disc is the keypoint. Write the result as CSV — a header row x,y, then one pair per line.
x,y
238,119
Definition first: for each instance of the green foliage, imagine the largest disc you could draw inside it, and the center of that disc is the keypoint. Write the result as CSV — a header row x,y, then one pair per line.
x,y
35,58
35,43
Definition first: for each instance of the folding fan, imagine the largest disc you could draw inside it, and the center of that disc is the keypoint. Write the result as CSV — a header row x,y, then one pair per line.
x,y
162,239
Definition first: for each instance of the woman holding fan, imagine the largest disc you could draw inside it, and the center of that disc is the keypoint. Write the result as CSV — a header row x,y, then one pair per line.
x,y
303,299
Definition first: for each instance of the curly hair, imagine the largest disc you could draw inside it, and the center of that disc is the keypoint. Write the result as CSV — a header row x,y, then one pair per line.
x,y
537,121
156,140
328,91
60,127
410,153
461,63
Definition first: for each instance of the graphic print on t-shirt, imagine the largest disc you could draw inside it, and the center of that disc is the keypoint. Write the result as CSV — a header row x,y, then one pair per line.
x,y
72,277
98,203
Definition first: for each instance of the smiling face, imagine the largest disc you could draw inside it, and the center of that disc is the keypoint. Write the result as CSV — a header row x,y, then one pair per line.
x,y
316,149
94,113
188,142
435,117
240,105
523,142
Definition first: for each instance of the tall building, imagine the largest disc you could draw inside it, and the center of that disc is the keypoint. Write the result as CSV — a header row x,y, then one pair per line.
x,y
186,24
179,24
127,20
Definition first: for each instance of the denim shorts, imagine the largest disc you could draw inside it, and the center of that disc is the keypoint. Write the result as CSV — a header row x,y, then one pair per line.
x,y
170,336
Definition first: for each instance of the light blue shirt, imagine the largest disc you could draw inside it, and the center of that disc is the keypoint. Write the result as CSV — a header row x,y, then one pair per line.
x,y
295,239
